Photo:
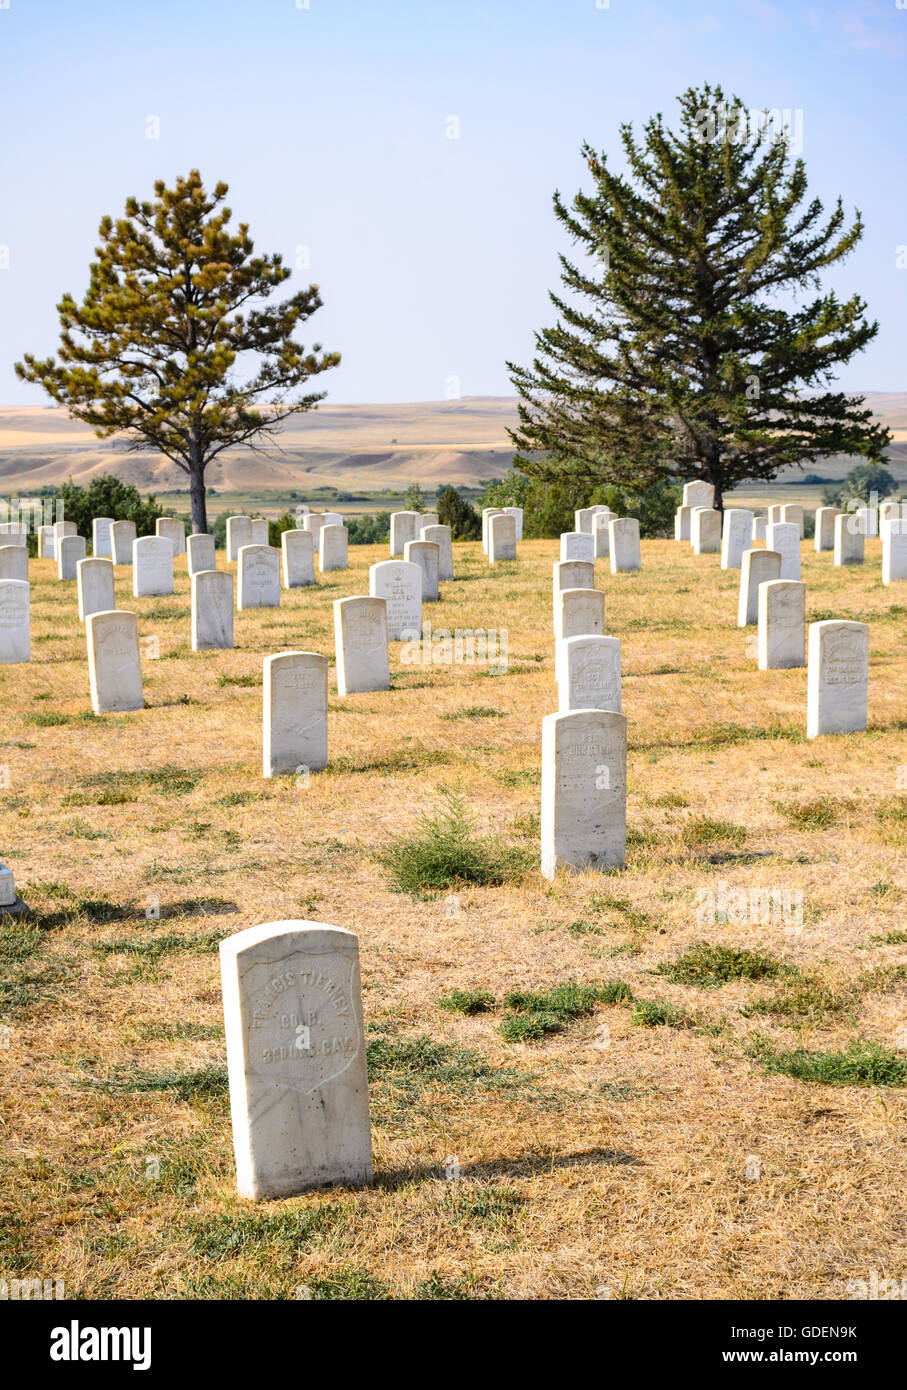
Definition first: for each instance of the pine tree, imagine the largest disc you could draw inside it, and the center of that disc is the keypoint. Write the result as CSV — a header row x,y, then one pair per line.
x,y
174,299
674,355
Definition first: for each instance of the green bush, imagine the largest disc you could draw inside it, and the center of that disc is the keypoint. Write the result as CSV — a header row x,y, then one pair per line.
x,y
454,511
108,496
371,529
447,851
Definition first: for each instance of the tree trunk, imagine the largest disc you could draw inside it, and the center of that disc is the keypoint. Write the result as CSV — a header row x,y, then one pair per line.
x,y
197,484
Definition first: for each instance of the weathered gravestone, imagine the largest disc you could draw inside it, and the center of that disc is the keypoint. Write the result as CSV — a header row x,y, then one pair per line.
x,y
15,533
699,494
15,621
705,531
582,521
577,545
837,677
332,553
571,574
399,583
487,514
584,791
122,539
70,550
95,586
13,561
61,529
427,556
624,544
313,522
781,640
588,673
239,533
774,514
258,577
405,526
517,514
579,613
869,520
174,531
152,567
295,1058
295,713
200,553
784,536
849,540
297,550
360,644
442,537
736,536
792,514
759,525
601,534
756,567
332,519
101,540
682,518
212,610
114,671
825,528
261,531
501,538
46,549
894,551
889,511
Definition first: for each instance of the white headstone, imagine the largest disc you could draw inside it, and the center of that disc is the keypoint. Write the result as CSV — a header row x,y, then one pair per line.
x,y
258,577
261,531
8,894
427,555
759,525
736,536
313,522
175,532
295,713
682,519
297,550
15,621
624,544
16,533
152,566
212,610
774,513
405,526
784,536
889,511
360,644
869,520
295,1058
756,567
582,521
782,625
61,529
200,553
333,519
894,551
579,613
837,677
571,574
601,534
95,586
501,538
70,550
578,545
239,533
705,531
793,515
429,518
588,673
332,553
101,541
114,671
849,540
699,494
443,539
584,791
488,512
825,527
122,539
399,582
13,561
46,548
517,514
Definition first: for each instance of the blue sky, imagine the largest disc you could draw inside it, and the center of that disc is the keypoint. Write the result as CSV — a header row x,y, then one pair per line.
x,y
331,123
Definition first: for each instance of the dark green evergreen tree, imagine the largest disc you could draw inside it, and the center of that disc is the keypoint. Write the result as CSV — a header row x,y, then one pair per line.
x,y
677,352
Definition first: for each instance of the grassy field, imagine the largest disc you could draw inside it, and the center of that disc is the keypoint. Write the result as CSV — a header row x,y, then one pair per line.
x,y
572,1096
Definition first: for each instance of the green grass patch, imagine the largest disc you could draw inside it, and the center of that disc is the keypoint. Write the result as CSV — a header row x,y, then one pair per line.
x,y
658,1013
710,966
701,830
205,1083
446,851
533,1015
863,1062
467,1001
476,712
817,814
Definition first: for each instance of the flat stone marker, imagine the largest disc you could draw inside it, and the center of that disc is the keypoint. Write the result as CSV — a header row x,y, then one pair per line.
x,y
756,567
313,523
70,550
174,531
784,536
601,534
584,791
781,640
297,553
114,671
699,494
736,536
122,539
333,554
837,677
825,527
517,514
15,621
152,567
13,561
295,713
849,540
427,556
200,553
759,525
705,531
579,613
894,551
487,513
588,675
405,526
46,548
101,540
578,545
296,1058
682,519
360,644
258,573
95,586
261,531
399,583
624,544
212,610
239,533
869,520
501,538
792,513
442,537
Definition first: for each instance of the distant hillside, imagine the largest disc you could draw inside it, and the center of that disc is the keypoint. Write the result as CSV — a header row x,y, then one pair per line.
x,y
362,447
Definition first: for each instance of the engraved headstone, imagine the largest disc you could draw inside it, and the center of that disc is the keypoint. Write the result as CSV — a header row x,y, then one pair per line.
x,y
578,545
95,586
705,531
571,574
837,677
781,642
332,553
295,713
212,610
584,791
360,644
756,567
736,536
784,536
152,566
849,540
15,621
114,671
122,539
443,539
427,556
101,540
297,549
501,538
200,553
70,550
624,544
174,531
588,673
405,526
258,574
261,531
699,494
399,582
579,613
13,561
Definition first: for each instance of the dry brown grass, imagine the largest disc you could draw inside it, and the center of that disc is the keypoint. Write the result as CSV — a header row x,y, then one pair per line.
x,y
581,1167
